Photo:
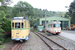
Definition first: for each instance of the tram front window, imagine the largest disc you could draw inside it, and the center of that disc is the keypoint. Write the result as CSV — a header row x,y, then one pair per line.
x,y
17,25
57,25
22,25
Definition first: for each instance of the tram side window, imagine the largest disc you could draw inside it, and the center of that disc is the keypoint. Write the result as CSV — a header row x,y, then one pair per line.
x,y
17,25
25,24
28,25
53,25
22,25
49,25
12,25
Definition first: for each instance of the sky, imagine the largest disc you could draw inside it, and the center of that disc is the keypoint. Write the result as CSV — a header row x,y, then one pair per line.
x,y
50,5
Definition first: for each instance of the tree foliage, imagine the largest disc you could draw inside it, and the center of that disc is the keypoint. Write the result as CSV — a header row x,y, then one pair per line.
x,y
5,2
72,12
39,13
8,12
67,15
2,17
5,26
23,9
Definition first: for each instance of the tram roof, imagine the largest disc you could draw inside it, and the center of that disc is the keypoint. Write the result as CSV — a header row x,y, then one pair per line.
x,y
15,18
52,22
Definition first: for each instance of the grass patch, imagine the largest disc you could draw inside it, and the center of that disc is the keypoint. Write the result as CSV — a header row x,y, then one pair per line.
x,y
32,34
34,30
1,46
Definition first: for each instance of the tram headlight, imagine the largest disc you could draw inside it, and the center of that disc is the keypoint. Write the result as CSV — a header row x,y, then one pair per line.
x,y
17,36
22,36
12,36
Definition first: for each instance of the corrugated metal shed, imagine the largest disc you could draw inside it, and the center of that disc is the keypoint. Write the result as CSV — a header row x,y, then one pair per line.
x,y
65,22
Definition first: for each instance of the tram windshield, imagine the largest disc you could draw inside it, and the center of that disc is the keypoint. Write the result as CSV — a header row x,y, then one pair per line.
x,y
56,25
17,25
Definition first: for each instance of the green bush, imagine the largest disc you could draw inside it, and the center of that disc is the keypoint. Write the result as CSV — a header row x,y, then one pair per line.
x,y
1,42
8,40
5,26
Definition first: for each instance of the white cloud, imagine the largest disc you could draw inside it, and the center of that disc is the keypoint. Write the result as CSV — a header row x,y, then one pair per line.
x,y
53,5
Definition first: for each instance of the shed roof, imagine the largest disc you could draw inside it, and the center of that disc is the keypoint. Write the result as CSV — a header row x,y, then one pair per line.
x,y
37,23
56,18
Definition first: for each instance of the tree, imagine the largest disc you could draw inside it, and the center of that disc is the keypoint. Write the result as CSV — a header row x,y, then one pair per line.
x,y
8,12
5,2
72,12
22,9
67,15
2,15
5,26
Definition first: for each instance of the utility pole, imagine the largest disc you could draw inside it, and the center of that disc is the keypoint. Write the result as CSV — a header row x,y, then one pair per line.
x,y
45,20
19,9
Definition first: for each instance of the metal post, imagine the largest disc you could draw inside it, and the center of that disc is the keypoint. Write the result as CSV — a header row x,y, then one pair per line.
x,y
45,20
19,9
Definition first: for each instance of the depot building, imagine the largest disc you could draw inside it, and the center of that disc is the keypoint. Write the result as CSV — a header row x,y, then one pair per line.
x,y
65,22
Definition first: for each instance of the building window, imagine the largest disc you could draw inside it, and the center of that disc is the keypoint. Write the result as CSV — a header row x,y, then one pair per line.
x,y
43,22
65,24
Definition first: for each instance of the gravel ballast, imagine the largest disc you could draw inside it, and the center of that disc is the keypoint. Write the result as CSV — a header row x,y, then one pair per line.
x,y
34,43
67,43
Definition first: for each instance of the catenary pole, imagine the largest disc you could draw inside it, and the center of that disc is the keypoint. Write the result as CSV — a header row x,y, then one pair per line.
x,y
19,9
45,20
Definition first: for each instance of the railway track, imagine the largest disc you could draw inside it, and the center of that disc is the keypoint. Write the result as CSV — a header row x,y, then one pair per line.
x,y
61,41
60,37
64,42
53,45
16,46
